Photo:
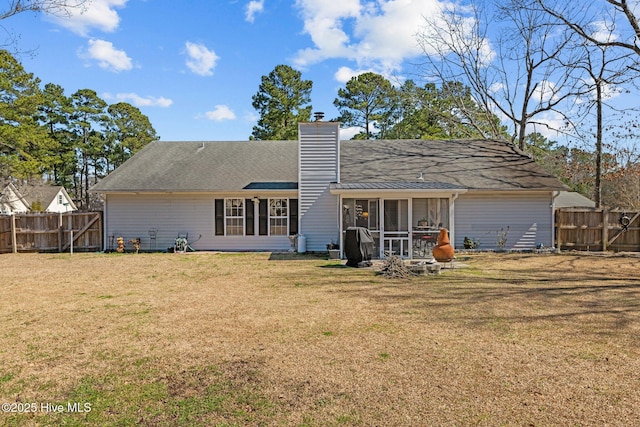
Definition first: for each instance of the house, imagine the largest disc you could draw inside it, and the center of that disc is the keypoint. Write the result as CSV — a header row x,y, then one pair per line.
x,y
572,199
12,201
39,198
253,195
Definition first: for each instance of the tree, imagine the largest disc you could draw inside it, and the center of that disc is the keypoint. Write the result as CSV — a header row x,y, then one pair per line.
x,y
618,16
522,73
52,7
610,59
87,123
368,102
448,112
604,73
127,132
54,114
283,100
24,145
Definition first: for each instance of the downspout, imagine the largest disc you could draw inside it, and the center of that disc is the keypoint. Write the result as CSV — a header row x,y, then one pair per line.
x,y
104,225
452,219
554,196
340,224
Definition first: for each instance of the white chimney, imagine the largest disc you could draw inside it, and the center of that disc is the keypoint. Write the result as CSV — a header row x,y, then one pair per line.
x,y
318,167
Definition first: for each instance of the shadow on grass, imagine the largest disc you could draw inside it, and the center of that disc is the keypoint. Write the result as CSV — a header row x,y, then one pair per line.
x,y
335,266
603,297
294,256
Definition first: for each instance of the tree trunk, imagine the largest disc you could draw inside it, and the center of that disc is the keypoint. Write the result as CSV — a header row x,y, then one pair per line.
x,y
598,185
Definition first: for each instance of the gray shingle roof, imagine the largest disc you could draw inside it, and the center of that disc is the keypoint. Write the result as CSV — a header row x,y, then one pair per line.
x,y
473,164
234,166
204,166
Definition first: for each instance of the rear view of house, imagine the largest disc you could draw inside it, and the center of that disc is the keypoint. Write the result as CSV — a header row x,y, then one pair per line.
x,y
254,195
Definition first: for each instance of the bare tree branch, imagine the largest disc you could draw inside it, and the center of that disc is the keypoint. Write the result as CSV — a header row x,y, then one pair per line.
x,y
52,7
567,13
519,74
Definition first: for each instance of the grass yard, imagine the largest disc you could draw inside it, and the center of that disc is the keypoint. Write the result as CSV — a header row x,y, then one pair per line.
x,y
262,340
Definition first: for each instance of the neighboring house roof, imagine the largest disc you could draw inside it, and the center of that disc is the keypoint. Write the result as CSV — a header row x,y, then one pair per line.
x,y
11,200
571,199
234,166
46,196
23,200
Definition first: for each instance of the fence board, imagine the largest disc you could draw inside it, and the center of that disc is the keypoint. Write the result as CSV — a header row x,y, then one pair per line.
x,y
50,232
593,229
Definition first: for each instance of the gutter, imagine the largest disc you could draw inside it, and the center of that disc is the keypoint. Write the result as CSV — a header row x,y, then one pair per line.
x,y
104,225
452,218
554,196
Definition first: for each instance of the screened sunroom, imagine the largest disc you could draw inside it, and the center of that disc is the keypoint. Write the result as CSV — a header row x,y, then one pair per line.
x,y
405,223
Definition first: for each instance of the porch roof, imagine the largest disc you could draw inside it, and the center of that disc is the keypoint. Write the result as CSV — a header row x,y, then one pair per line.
x,y
396,186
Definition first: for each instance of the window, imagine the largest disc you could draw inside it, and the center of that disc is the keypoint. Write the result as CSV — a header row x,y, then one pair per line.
x,y
278,213
234,217
243,217
59,199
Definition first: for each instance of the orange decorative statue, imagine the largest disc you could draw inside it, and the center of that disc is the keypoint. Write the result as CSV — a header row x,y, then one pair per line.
x,y
443,251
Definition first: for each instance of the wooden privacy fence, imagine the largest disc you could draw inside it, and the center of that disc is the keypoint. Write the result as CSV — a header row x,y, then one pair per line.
x,y
594,229
51,232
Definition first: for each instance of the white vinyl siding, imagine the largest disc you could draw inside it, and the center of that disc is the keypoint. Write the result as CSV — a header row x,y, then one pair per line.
x,y
318,168
486,217
135,215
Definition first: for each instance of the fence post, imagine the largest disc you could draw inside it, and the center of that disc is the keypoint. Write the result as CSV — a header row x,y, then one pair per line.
x,y
605,229
14,240
558,230
60,232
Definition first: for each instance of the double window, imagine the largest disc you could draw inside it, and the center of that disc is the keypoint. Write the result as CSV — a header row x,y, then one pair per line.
x,y
237,217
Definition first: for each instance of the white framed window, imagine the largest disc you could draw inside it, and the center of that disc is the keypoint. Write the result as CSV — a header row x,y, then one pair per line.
x,y
234,217
278,217
59,199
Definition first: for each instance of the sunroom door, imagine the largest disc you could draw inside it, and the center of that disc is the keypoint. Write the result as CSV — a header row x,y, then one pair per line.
x,y
362,213
395,236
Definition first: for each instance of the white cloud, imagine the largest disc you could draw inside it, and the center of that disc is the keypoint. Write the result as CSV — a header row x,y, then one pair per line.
x,y
220,113
350,132
544,91
603,32
609,91
496,87
139,101
344,74
376,34
100,14
548,124
108,56
253,7
201,60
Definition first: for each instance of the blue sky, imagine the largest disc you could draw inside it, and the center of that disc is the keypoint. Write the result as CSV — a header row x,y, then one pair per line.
x,y
193,66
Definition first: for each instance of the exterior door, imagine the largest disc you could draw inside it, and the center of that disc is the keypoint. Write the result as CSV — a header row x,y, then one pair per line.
x,y
395,234
362,213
